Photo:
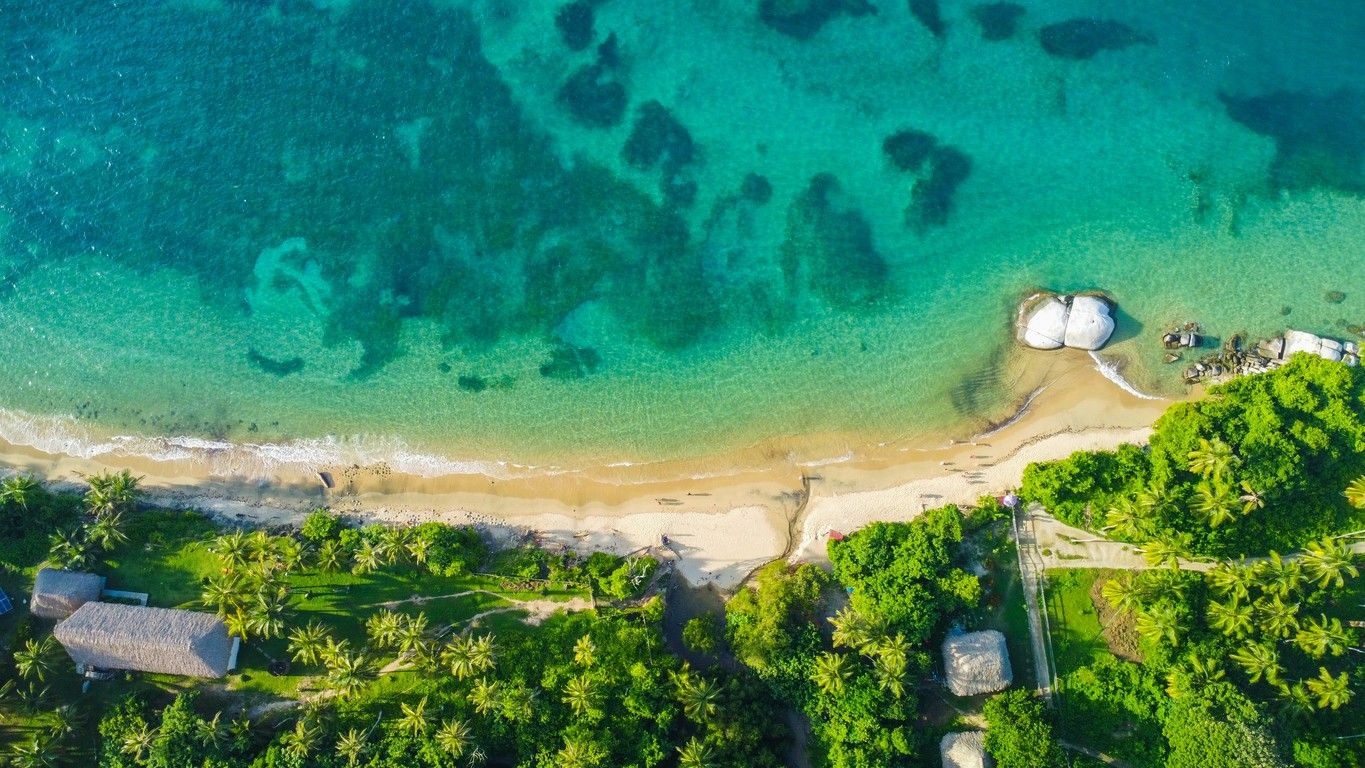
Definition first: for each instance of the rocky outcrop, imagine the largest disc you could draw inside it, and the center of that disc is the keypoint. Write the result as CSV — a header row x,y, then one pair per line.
x,y
1047,321
1267,354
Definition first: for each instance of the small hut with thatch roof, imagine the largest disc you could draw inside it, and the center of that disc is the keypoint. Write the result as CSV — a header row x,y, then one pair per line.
x,y
964,750
58,594
977,662
104,637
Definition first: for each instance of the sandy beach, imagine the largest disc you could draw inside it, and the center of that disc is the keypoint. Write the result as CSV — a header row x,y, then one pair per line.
x,y
722,516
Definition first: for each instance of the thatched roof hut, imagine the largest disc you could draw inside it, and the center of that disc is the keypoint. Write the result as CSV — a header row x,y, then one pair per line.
x,y
57,594
964,750
977,662
109,636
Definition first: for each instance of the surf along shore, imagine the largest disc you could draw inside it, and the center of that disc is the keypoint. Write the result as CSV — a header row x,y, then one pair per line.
x,y
722,516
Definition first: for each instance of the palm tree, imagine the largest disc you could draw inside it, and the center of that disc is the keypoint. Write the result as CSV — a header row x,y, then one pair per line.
x,y
1193,677
1331,692
225,593
19,490
1298,703
306,643
41,751
414,719
68,550
1159,622
482,652
453,737
331,556
579,754
1251,499
1355,492
1330,562
351,746
299,742
419,549
1213,458
1278,619
585,652
211,732
831,672
1125,594
890,671
1216,503
1278,577
699,696
36,659
384,629
486,696
107,531
1163,553
580,693
239,730
852,629
1259,660
1320,638
232,548
412,634
696,754
138,742
348,672
1128,520
1231,580
1230,618
460,658
268,614
368,558
112,492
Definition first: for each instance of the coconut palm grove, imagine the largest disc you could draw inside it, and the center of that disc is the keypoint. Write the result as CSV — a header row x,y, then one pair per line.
x,y
1236,645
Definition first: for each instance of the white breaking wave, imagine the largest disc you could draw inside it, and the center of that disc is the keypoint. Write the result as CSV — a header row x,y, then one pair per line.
x,y
1110,371
65,435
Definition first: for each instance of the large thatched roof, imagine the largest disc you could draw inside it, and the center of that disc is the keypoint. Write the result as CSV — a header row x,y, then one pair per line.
x,y
977,662
57,594
964,750
130,637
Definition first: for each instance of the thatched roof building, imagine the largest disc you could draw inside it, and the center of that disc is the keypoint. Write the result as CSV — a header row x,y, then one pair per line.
x,y
977,662
964,750
57,594
109,636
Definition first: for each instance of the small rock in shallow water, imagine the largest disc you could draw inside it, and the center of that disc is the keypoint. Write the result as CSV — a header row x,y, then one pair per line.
x,y
1083,38
908,148
998,21
756,188
1335,297
574,22
928,14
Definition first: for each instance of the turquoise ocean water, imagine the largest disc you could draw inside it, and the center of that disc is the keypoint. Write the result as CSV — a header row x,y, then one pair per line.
x,y
427,233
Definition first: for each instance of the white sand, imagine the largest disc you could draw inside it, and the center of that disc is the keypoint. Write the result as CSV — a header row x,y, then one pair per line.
x,y
719,528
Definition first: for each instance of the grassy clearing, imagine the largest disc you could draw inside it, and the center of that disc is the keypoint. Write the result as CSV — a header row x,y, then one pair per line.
x,y
1077,635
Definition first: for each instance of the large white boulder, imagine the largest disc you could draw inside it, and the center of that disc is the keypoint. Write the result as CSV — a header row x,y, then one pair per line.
x,y
1079,322
1299,341
1090,325
1045,325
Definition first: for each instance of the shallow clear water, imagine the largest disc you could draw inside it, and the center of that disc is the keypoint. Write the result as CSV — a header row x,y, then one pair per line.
x,y
386,228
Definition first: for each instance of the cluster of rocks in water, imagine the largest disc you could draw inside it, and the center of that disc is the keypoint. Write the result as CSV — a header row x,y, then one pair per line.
x,y
1238,358
1050,321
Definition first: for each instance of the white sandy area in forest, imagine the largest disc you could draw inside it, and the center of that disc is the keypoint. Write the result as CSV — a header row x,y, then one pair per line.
x,y
720,525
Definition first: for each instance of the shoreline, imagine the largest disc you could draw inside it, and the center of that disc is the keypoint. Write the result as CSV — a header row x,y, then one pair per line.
x,y
724,516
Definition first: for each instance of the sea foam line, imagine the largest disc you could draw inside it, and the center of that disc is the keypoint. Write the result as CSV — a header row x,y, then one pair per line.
x,y
1110,371
64,435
